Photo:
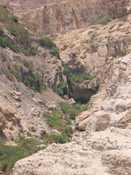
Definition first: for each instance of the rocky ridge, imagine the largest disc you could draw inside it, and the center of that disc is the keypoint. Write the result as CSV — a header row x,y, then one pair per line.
x,y
91,65
104,146
34,80
19,104
53,17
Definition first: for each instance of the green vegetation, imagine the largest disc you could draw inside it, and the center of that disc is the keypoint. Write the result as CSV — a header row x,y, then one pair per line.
x,y
61,120
71,111
79,77
62,88
55,52
56,138
21,41
10,154
56,120
46,42
30,78
76,76
34,81
6,42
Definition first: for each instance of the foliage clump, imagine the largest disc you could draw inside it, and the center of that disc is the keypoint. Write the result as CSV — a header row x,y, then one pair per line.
x,y
29,76
10,154
62,119
47,42
77,76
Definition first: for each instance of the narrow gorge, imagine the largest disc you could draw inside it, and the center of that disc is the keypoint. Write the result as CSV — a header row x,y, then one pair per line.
x,y
65,87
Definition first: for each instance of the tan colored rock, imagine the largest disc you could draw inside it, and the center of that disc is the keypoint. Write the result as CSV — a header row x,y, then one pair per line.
x,y
8,110
59,16
22,110
118,162
124,121
103,148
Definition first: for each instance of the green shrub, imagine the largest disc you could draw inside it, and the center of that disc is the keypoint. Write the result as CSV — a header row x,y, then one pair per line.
x,y
47,42
61,119
29,77
76,76
55,52
6,42
55,120
3,42
56,138
10,154
71,111
29,144
34,81
22,39
62,88
79,77
14,19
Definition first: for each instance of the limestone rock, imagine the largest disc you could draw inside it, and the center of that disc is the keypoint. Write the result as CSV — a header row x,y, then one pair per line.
x,y
59,16
118,162
103,148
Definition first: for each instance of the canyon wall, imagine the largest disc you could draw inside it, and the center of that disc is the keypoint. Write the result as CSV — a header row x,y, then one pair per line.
x,y
51,17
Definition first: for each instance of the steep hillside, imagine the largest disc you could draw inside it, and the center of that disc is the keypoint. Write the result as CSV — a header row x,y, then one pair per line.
x,y
60,16
37,101
65,87
104,146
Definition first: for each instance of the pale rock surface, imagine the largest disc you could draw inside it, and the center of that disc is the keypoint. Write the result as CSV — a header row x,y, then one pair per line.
x,y
22,110
60,16
104,147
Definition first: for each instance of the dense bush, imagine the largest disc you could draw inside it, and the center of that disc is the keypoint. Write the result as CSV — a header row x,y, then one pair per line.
x,y
61,120
76,76
7,42
21,41
62,88
56,138
71,111
55,52
56,120
28,76
10,154
33,80
48,43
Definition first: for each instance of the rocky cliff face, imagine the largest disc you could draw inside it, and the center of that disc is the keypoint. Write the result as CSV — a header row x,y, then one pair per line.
x,y
35,80
52,17
104,146
20,104
44,86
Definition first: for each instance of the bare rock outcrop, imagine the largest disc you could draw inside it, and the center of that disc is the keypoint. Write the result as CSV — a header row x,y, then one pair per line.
x,y
60,16
104,146
22,109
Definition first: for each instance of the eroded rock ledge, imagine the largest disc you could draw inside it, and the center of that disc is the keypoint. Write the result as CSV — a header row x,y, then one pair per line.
x,y
104,146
